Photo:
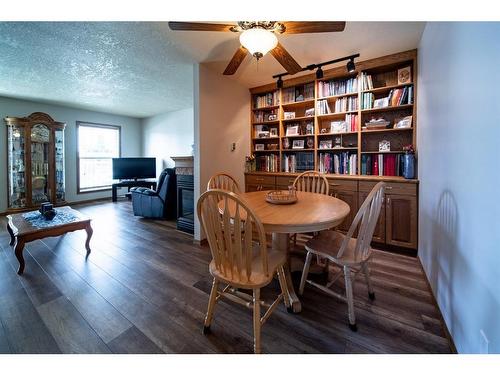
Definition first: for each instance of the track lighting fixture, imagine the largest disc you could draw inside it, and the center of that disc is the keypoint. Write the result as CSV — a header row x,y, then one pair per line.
x,y
319,73
350,66
279,82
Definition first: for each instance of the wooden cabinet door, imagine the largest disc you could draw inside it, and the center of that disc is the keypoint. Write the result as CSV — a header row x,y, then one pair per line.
x,y
379,233
401,220
351,198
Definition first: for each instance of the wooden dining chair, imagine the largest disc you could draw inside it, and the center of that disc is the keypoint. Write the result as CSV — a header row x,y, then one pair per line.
x,y
223,181
240,257
352,255
312,182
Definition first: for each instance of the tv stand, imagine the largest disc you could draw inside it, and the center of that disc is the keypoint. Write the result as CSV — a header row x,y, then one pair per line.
x,y
129,184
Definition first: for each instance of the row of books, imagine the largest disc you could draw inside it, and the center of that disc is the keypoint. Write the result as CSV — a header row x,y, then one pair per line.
x,y
338,163
366,82
350,124
267,163
337,87
382,164
341,105
298,93
367,100
401,96
299,162
266,100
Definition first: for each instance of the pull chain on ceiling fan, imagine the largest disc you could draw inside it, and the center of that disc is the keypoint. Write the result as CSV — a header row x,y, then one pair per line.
x,y
260,37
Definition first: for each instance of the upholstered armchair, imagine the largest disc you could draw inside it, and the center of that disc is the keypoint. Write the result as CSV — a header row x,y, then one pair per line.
x,y
158,204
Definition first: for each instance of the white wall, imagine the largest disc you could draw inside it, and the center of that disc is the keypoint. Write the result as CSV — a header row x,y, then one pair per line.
x,y
222,115
166,135
459,161
130,136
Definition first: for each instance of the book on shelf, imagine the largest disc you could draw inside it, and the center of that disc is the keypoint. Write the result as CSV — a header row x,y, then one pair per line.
x,y
382,164
267,163
266,100
337,87
346,104
322,107
299,162
338,163
366,82
367,100
298,93
401,96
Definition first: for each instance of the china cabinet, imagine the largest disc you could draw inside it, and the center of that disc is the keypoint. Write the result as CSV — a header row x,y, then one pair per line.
x,y
35,166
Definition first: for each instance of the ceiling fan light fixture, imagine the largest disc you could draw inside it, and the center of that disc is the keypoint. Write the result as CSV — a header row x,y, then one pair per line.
x,y
258,41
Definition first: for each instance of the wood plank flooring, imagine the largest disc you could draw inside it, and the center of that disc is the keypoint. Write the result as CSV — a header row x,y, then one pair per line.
x,y
144,289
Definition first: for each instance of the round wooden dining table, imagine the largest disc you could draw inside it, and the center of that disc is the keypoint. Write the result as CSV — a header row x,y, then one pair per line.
x,y
311,213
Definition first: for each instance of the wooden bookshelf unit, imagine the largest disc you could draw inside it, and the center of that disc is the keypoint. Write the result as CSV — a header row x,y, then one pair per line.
x,y
320,124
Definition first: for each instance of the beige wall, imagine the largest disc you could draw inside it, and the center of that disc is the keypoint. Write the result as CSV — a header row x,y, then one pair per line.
x,y
221,117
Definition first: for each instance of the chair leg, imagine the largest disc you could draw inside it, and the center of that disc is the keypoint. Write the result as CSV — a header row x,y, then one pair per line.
x,y
211,306
305,272
256,321
350,300
284,289
366,271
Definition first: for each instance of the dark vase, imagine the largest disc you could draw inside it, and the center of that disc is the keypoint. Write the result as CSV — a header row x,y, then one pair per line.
x,y
409,166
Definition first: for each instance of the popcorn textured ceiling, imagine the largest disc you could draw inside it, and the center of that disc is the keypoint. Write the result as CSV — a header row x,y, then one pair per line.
x,y
126,68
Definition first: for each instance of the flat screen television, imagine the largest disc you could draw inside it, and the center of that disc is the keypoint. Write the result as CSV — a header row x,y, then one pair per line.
x,y
134,168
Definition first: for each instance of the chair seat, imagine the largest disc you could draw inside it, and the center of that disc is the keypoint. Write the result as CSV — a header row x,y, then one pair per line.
x,y
328,243
258,278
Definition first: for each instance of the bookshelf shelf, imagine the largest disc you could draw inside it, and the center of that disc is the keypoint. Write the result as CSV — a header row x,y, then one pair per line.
x,y
299,103
385,152
266,139
337,149
389,108
264,151
364,131
387,88
266,108
302,118
298,136
298,150
336,134
335,115
266,122
332,97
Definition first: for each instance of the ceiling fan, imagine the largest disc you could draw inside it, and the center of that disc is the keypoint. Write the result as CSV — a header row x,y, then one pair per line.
x,y
259,37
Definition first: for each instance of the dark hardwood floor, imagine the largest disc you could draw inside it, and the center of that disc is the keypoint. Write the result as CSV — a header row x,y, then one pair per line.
x,y
144,289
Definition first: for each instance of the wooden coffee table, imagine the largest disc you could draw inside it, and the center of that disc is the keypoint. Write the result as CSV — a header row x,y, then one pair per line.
x,y
23,229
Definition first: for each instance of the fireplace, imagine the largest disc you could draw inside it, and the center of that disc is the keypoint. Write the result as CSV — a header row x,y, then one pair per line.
x,y
185,203
185,193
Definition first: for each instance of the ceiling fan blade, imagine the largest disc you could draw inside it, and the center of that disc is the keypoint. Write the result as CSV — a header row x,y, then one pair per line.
x,y
199,26
313,27
285,59
236,61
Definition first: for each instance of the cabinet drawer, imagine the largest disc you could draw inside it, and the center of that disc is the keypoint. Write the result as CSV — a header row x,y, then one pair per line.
x,y
250,188
284,181
392,187
260,180
337,184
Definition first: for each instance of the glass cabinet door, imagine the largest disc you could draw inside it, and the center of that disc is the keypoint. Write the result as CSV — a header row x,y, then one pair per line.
x,y
15,147
59,150
40,186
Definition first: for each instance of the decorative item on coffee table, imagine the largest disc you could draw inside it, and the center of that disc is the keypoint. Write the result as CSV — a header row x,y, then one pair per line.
x,y
47,211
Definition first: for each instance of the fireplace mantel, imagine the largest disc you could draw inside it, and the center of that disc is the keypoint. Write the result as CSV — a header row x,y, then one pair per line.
x,y
184,165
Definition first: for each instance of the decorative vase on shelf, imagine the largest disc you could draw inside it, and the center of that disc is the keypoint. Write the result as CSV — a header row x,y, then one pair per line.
x,y
409,166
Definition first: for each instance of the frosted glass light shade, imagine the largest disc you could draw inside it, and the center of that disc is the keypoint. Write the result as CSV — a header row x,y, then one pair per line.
x,y
258,41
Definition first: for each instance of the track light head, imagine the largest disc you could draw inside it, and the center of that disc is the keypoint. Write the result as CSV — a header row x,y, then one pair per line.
x,y
279,83
319,73
350,66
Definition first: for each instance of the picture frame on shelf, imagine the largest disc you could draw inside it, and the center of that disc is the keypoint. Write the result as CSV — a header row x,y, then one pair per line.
x,y
259,147
403,123
263,134
384,146
310,128
272,117
273,146
292,130
273,132
298,144
404,75
289,115
338,127
325,144
309,112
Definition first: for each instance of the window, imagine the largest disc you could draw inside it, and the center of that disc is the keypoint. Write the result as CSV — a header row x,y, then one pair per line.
x,y
97,145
